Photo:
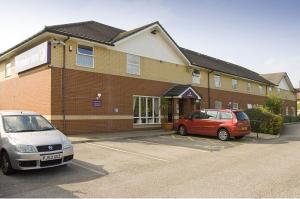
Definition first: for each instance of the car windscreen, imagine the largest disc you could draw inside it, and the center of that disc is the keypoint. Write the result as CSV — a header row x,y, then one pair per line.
x,y
241,116
25,123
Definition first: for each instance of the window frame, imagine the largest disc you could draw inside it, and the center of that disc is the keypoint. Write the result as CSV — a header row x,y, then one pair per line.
x,y
5,68
140,117
234,86
78,53
260,90
127,64
198,76
221,103
219,77
249,87
235,104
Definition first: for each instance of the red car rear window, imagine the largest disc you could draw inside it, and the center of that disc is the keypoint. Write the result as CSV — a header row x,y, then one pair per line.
x,y
241,116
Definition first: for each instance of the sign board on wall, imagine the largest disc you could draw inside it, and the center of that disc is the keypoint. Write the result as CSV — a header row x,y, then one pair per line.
x,y
33,57
97,103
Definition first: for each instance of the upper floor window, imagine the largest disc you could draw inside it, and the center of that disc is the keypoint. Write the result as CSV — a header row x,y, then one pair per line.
x,y
196,76
249,87
234,83
261,91
8,71
133,64
217,81
270,89
85,56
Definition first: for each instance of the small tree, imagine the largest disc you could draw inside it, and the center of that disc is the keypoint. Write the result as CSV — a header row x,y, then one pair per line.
x,y
274,104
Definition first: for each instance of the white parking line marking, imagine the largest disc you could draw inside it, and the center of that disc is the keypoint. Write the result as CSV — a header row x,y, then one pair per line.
x,y
128,152
87,168
157,143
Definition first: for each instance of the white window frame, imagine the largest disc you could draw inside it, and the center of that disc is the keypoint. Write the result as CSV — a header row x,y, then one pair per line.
x,y
6,71
78,53
146,116
249,106
235,106
234,84
196,77
249,87
218,104
261,90
217,77
133,64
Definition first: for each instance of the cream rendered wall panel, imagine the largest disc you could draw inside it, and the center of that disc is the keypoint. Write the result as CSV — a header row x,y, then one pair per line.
x,y
283,84
150,45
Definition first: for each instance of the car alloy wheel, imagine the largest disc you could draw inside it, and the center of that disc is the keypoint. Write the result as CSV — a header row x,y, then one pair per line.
x,y
223,135
6,165
182,130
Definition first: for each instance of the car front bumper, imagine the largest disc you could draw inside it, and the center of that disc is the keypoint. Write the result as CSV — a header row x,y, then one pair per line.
x,y
28,161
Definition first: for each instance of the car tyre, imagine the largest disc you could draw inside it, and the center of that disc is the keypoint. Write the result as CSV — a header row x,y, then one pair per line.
x,y
238,137
6,165
223,135
182,130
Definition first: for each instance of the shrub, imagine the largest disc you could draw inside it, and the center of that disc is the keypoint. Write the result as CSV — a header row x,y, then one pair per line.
x,y
290,119
263,121
274,104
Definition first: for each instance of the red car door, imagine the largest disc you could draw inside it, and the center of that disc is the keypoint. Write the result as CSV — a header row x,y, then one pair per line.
x,y
211,122
197,122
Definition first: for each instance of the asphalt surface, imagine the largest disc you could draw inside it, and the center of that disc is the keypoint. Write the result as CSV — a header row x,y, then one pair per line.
x,y
170,166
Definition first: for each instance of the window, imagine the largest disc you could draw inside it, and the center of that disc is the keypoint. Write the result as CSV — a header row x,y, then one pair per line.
x,y
225,115
249,106
133,64
85,56
278,90
212,114
199,115
218,104
8,70
146,110
217,81
196,76
248,87
293,111
234,83
287,110
261,91
241,116
235,106
270,89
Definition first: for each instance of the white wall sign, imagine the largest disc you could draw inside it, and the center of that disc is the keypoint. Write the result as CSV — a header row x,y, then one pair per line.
x,y
34,57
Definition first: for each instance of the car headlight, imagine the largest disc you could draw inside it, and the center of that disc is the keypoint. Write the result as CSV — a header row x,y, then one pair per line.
x,y
66,144
26,148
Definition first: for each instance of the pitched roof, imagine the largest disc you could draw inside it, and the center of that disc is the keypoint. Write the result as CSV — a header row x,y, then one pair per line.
x,y
178,90
108,35
218,65
275,78
90,30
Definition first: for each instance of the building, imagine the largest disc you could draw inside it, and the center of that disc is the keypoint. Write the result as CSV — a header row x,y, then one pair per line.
x,y
90,77
298,101
284,89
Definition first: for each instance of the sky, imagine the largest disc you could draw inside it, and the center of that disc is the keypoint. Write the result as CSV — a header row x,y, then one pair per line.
x,y
261,35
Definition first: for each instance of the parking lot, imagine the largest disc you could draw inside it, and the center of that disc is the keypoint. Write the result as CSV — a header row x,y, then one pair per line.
x,y
146,166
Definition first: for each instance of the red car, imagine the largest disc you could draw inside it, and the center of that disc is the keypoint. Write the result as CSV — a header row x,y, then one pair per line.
x,y
221,123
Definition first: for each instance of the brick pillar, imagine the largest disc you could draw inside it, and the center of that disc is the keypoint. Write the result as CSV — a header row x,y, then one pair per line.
x,y
175,109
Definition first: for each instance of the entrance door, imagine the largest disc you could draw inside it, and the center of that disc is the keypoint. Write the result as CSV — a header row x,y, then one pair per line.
x,y
181,107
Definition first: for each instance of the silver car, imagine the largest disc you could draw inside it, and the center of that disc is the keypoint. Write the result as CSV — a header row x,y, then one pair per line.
x,y
29,141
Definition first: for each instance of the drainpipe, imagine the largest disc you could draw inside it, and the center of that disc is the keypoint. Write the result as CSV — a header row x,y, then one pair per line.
x,y
63,85
208,85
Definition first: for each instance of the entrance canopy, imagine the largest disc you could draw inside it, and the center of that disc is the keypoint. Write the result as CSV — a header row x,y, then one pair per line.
x,y
182,91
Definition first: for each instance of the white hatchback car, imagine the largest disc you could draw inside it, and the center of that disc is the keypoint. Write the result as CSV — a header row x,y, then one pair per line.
x,y
29,141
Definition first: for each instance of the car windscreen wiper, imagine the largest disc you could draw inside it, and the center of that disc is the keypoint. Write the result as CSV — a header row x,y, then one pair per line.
x,y
46,129
24,130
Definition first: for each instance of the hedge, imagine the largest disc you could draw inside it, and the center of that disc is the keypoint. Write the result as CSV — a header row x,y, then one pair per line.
x,y
290,119
263,121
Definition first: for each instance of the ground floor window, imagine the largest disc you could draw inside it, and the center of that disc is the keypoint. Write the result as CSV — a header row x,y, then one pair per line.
x,y
218,104
235,106
146,110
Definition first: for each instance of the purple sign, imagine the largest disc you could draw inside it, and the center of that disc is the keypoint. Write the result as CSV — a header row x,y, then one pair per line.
x,y
190,94
97,103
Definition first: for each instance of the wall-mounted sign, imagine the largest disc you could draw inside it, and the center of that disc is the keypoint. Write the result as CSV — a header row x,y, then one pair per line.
x,y
189,94
34,57
97,103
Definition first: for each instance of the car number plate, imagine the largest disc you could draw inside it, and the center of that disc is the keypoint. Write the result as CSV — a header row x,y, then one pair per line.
x,y
244,128
51,157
